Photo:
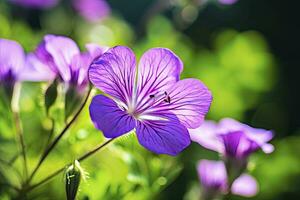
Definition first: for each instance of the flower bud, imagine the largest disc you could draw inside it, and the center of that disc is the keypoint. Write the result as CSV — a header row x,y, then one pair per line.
x,y
74,174
51,95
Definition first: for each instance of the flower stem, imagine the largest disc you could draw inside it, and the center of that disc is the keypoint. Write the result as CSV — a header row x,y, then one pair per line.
x,y
56,140
18,125
83,157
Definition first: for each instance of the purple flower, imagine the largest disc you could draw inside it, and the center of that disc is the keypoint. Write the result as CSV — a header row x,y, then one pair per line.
x,y
42,4
59,56
151,99
12,59
213,178
232,138
92,10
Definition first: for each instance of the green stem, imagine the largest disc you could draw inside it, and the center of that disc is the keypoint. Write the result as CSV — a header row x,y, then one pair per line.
x,y
83,157
56,140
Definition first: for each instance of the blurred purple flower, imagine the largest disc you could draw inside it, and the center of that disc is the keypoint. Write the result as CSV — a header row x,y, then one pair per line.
x,y
42,4
232,138
12,59
59,57
158,105
213,178
227,2
92,10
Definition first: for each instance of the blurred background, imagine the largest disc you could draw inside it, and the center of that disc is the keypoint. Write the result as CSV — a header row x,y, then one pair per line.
x,y
245,51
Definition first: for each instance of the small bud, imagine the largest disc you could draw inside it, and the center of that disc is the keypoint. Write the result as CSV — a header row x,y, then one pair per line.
x,y
51,95
74,174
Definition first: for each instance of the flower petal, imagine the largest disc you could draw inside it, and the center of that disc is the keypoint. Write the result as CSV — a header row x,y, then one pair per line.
x,y
62,50
164,135
233,145
12,57
206,136
35,70
188,99
114,73
257,138
212,175
95,51
109,118
245,185
159,68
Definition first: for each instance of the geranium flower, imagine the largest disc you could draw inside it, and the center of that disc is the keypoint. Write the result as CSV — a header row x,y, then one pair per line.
x,y
232,138
59,57
213,178
150,99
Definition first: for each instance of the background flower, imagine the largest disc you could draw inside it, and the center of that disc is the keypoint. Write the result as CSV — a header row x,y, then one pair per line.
x,y
213,179
232,138
92,10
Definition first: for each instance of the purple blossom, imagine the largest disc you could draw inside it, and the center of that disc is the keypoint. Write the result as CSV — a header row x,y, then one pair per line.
x,y
42,4
92,10
213,178
151,99
59,57
12,59
232,138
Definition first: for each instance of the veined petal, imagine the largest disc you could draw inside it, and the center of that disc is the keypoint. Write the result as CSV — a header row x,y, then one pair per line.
x,y
62,50
12,57
245,185
108,117
114,73
188,99
166,136
158,69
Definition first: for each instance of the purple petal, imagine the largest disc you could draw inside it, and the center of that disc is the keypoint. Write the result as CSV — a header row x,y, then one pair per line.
x,y
163,134
159,69
114,73
80,64
108,117
212,175
12,58
256,138
245,185
92,10
35,70
189,100
62,50
206,136
232,142
95,51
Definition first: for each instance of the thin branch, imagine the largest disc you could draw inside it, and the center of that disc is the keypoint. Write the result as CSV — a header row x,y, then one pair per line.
x,y
56,140
83,157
